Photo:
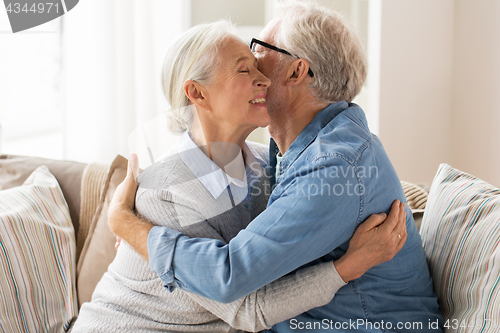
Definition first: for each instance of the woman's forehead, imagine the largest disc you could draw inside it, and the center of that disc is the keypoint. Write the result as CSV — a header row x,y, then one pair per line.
x,y
243,58
235,51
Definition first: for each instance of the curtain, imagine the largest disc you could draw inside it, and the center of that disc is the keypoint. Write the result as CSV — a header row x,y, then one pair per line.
x,y
112,53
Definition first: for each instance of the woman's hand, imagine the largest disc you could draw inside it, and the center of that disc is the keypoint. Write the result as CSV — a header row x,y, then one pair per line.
x,y
377,240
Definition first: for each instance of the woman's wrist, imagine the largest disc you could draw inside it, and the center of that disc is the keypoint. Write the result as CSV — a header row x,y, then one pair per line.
x,y
347,269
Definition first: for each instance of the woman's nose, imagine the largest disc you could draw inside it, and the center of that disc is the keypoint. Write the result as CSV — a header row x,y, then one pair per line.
x,y
263,81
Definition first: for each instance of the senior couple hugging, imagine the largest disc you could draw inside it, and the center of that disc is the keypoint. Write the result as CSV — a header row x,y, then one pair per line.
x,y
217,250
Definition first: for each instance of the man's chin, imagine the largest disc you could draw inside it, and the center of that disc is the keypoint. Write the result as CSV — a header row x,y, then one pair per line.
x,y
273,105
274,109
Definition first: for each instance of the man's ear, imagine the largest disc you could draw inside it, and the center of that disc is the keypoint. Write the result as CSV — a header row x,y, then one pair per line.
x,y
196,94
297,72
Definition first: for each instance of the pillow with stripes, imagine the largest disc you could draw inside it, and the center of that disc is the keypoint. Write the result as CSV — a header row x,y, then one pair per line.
x,y
37,257
461,236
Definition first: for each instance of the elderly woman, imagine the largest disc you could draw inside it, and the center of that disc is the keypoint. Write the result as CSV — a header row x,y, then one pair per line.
x,y
217,94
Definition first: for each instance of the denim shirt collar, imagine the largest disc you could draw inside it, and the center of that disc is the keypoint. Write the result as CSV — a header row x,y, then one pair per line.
x,y
308,134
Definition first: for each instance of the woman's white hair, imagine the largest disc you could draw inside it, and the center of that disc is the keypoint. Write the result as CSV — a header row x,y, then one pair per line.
x,y
193,56
330,44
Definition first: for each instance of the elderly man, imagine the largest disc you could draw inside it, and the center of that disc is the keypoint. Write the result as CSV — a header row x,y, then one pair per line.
x,y
330,169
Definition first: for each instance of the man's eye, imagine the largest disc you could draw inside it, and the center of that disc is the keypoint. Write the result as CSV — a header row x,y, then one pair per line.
x,y
247,71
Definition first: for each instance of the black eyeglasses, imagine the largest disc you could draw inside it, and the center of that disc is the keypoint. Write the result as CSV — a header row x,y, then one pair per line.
x,y
275,48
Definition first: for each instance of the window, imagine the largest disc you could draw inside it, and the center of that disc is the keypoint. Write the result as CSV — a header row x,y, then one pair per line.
x,y
31,118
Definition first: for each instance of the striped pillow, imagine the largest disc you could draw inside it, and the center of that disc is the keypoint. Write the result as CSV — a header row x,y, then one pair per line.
x,y
461,237
37,257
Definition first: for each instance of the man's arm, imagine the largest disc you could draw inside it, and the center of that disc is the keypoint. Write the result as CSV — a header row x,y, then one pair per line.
x,y
121,217
136,231
295,293
296,228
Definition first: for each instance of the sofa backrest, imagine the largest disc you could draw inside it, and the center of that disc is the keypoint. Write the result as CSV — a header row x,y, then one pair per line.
x,y
14,170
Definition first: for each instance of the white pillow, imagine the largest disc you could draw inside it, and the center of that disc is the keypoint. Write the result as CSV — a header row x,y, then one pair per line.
x,y
37,257
461,236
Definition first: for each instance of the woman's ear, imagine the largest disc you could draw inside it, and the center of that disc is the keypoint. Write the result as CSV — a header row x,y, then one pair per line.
x,y
297,72
196,93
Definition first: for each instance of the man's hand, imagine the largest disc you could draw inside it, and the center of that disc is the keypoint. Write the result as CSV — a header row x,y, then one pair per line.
x,y
125,192
377,240
121,217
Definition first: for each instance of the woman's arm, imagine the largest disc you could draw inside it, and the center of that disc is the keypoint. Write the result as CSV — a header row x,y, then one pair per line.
x,y
280,300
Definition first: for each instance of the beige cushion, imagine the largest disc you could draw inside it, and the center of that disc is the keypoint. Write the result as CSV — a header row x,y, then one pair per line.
x,y
99,251
461,237
93,182
37,257
15,169
416,197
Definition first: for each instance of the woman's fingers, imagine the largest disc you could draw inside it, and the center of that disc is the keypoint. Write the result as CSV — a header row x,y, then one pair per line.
x,y
377,240
373,221
402,241
400,227
392,220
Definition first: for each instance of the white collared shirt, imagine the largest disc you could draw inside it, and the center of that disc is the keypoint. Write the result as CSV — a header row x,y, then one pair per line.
x,y
213,177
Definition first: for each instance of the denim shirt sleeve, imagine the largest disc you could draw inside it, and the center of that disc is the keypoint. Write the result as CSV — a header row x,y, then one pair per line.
x,y
161,245
309,217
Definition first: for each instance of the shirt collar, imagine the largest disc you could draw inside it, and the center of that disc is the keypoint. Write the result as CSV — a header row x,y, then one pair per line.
x,y
311,131
209,174
254,160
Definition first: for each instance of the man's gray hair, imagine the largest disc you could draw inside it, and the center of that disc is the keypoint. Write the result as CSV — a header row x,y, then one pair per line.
x,y
330,44
193,56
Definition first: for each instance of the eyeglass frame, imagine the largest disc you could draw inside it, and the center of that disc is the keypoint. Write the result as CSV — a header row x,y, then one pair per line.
x,y
277,49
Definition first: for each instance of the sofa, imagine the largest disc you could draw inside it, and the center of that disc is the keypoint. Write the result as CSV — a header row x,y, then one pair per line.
x,y
458,217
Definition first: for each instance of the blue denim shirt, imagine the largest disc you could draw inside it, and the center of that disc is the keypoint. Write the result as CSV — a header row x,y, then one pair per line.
x,y
332,178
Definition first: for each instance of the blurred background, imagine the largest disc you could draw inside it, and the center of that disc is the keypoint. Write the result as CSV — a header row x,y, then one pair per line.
x,y
76,87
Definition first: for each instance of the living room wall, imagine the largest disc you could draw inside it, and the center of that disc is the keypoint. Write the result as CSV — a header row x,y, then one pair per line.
x,y
435,88
416,85
476,89
439,77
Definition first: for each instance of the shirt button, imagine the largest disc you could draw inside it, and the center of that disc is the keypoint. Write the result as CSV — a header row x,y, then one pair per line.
x,y
247,205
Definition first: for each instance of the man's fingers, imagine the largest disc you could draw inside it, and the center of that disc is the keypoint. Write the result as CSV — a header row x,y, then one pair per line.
x,y
125,191
117,243
130,180
133,166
